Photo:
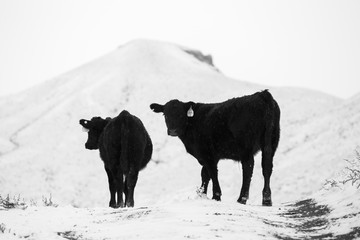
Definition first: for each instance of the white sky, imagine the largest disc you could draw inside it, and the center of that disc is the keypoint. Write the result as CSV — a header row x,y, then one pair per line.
x,y
307,43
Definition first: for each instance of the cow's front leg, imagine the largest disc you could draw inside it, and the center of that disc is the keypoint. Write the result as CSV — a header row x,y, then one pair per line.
x,y
213,173
247,167
205,178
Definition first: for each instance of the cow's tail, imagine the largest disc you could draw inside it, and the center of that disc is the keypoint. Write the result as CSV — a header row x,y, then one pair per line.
x,y
124,159
272,128
276,127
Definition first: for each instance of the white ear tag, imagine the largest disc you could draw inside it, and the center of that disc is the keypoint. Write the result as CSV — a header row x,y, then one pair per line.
x,y
190,112
85,129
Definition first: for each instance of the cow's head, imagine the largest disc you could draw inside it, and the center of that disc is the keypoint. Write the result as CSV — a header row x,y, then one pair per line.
x,y
94,128
177,115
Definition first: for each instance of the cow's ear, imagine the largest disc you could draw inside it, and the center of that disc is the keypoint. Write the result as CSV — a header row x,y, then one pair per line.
x,y
84,123
190,109
157,107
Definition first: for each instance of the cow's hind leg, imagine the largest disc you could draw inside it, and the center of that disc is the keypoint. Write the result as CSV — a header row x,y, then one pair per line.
x,y
267,166
205,178
247,167
131,180
120,189
112,188
125,190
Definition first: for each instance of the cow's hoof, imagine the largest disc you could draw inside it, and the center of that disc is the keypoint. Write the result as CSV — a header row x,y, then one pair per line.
x,y
121,205
217,196
129,204
267,202
116,205
112,205
242,200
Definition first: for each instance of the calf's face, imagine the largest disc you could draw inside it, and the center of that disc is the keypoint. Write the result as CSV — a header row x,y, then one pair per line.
x,y
176,114
94,128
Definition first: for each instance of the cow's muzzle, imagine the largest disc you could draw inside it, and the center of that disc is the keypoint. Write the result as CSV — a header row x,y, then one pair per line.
x,y
90,147
172,132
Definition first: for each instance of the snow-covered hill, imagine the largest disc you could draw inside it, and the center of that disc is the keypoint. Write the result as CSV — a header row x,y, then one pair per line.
x,y
42,146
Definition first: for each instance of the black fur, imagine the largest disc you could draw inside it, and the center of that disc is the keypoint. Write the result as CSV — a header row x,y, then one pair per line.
x,y
235,129
125,147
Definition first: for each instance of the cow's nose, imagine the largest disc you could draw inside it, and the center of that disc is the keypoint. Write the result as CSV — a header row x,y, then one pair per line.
x,y
172,132
89,146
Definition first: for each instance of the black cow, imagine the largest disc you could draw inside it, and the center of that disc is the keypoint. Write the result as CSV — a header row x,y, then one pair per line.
x,y
125,147
235,129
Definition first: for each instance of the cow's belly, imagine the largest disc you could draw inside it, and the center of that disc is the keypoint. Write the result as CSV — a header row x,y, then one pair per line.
x,y
235,150
229,150
226,148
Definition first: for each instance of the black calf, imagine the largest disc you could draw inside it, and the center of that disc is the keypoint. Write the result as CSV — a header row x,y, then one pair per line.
x,y
235,129
125,148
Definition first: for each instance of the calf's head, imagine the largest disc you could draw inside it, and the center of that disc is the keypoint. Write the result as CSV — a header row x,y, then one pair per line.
x,y
177,115
94,128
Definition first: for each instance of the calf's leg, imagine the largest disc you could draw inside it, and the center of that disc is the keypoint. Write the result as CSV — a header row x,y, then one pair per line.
x,y
205,178
120,189
112,188
213,173
247,167
125,190
267,165
131,180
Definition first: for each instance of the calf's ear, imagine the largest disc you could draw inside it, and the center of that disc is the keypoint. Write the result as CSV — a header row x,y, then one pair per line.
x,y
157,107
84,123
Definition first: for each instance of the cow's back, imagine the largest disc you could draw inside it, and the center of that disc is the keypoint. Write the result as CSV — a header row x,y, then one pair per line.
x,y
234,127
136,140
125,139
247,116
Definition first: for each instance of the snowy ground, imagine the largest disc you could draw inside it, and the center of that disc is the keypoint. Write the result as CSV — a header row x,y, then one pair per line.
x,y
42,153
194,218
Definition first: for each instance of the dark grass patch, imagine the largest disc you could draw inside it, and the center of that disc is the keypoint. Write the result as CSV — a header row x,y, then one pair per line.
x,y
12,203
71,235
351,215
130,213
307,209
354,234
328,236
138,214
308,215
307,218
